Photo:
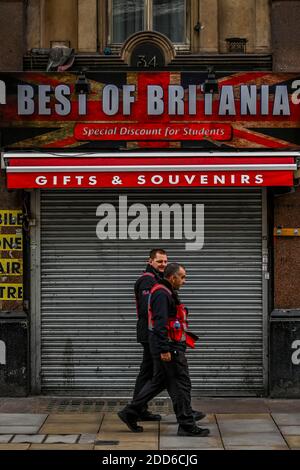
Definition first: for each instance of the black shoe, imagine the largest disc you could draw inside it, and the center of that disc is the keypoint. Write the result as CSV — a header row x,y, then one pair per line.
x,y
148,416
198,415
130,420
193,431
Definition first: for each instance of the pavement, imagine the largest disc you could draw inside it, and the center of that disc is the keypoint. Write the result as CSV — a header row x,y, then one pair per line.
x,y
43,423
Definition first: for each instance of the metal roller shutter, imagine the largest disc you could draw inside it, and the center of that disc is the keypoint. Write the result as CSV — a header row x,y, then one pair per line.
x,y
88,341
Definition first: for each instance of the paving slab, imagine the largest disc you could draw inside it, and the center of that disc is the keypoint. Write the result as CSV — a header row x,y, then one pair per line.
x,y
290,430
274,440
190,443
230,405
128,436
246,416
70,428
283,405
237,426
34,404
209,419
87,438
293,441
61,447
22,419
59,439
114,435
287,419
256,448
113,418
91,418
25,438
14,446
123,439
4,438
113,424
128,446
19,429
120,426
167,430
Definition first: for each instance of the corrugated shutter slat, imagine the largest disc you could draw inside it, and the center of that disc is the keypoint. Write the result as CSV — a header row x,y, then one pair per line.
x,y
87,309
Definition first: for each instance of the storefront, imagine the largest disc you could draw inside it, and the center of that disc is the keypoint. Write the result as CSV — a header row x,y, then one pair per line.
x,y
149,160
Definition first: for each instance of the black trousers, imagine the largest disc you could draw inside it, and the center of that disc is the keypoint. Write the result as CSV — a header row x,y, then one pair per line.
x,y
145,373
174,376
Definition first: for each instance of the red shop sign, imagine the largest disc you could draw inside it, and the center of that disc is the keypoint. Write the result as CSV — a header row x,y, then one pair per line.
x,y
164,131
144,179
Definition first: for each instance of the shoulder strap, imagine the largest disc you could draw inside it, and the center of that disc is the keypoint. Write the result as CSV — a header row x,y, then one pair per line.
x,y
137,287
155,288
142,276
140,279
148,274
158,287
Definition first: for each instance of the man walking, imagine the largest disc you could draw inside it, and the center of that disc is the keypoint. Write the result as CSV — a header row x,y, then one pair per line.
x,y
168,338
153,274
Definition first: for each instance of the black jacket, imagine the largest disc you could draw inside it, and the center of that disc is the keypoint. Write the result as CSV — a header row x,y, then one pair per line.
x,y
163,306
142,289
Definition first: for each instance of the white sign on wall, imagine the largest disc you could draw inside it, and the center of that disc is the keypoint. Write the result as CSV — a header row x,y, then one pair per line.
x,y
296,353
2,353
2,92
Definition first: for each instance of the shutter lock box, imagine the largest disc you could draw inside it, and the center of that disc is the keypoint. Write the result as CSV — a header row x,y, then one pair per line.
x,y
285,354
13,354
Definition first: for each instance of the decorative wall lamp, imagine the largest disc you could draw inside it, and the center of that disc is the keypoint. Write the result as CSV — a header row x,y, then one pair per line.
x,y
211,84
82,85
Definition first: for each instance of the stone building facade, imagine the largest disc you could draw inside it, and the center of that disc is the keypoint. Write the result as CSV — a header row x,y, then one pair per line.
x,y
228,34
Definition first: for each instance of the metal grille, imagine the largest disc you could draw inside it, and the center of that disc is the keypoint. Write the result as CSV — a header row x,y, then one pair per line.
x,y
236,45
88,341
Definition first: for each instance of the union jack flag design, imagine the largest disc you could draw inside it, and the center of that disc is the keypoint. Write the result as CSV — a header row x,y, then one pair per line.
x,y
250,131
